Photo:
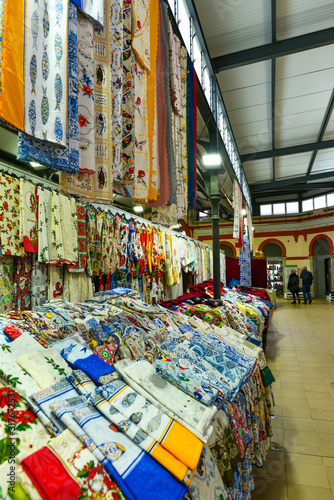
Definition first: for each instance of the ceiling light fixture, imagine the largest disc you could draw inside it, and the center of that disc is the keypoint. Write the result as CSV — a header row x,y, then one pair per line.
x,y
212,160
138,208
34,164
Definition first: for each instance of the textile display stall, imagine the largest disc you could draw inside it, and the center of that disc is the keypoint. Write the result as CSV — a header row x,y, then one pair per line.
x,y
54,246
122,384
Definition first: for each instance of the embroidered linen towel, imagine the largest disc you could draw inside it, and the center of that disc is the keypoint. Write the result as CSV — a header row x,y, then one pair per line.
x,y
193,413
129,461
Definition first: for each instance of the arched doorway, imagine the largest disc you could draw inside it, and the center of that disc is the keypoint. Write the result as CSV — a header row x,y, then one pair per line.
x,y
321,267
272,250
228,249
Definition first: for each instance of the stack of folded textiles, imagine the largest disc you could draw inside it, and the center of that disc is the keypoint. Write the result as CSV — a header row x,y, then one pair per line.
x,y
140,402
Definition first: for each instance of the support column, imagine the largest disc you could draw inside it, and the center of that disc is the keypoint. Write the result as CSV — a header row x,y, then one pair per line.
x,y
215,198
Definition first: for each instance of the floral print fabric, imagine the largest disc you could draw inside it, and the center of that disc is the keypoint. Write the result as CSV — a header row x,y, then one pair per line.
x,y
6,284
86,95
22,282
11,242
16,419
28,216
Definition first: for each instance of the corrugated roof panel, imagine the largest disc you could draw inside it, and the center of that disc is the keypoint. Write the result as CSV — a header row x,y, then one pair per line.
x,y
324,161
258,171
244,76
291,165
249,114
292,136
230,28
297,17
290,160
294,120
305,84
259,140
329,134
308,61
240,98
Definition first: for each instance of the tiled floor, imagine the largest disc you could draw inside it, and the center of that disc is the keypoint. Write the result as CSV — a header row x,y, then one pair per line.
x,y
300,353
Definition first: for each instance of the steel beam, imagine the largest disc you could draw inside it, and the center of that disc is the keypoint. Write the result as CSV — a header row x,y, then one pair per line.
x,y
290,150
322,131
296,188
272,50
290,181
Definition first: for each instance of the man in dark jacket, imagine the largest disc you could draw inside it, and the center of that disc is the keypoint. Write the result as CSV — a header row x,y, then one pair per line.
x,y
307,280
293,286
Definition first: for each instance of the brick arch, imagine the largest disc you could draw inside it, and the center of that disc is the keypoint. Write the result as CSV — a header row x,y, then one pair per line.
x,y
227,243
318,237
273,240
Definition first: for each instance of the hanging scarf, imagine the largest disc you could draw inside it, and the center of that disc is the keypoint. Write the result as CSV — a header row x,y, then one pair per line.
x,y
141,155
30,148
238,218
245,263
94,248
175,69
80,265
28,216
98,186
39,283
182,173
125,186
34,99
160,135
140,18
168,105
7,295
86,95
22,282
191,133
11,243
250,228
116,26
152,102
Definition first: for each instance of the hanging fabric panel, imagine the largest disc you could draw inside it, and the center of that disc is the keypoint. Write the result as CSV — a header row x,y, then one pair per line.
x,y
160,141
152,102
34,99
116,32
191,133
86,95
29,148
11,243
28,216
98,186
168,105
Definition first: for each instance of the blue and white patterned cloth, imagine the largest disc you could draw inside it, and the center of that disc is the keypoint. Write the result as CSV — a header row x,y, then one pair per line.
x,y
245,264
63,159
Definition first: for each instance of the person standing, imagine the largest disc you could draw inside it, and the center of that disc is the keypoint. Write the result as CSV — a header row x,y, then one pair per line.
x,y
293,286
307,280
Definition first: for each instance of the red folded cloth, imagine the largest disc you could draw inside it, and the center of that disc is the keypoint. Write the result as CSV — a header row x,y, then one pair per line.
x,y
12,331
50,477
